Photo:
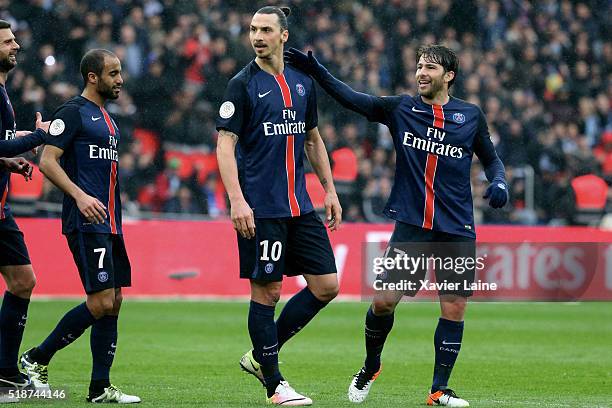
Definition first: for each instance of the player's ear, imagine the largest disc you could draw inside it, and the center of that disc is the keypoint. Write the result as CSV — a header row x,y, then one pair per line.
x,y
284,36
92,78
449,75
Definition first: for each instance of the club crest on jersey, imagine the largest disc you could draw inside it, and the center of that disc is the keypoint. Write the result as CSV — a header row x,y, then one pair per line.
x,y
300,89
227,110
269,268
57,127
459,117
103,276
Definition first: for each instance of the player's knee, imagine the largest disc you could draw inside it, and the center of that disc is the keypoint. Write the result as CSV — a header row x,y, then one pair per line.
x,y
266,293
101,305
327,293
382,307
454,310
23,285
106,306
455,313
272,296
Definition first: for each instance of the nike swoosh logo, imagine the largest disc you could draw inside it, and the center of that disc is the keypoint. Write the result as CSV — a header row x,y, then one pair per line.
x,y
113,345
272,346
94,119
447,343
262,95
418,111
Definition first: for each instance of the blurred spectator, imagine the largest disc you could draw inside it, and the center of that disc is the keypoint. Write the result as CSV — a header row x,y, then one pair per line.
x,y
182,203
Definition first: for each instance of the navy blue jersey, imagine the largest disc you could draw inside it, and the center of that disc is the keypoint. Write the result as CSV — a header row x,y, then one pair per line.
x,y
434,145
9,146
271,115
89,138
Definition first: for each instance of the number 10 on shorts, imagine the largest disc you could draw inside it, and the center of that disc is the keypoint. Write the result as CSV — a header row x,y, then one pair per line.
x,y
275,251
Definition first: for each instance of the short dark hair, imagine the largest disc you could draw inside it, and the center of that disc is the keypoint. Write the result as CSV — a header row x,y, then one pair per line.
x,y
93,61
439,54
281,12
4,24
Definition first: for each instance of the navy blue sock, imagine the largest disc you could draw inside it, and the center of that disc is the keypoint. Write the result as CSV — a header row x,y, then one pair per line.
x,y
262,330
296,314
69,328
376,330
103,342
447,343
13,316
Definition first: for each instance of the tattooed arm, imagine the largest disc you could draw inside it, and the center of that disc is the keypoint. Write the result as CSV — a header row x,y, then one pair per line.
x,y
241,213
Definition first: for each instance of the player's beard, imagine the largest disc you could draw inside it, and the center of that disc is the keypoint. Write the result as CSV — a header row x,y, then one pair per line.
x,y
106,91
435,86
6,64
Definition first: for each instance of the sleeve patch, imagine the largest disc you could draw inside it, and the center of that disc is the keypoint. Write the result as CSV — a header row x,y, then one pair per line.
x,y
57,127
227,110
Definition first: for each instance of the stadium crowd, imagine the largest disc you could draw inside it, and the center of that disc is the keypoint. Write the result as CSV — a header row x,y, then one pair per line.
x,y
541,71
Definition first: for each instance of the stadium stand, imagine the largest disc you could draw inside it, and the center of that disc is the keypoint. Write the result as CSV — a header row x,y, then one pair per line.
x,y
541,71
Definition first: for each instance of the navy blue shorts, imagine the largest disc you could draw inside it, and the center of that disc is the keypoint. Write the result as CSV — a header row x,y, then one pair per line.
x,y
102,260
286,246
449,250
13,250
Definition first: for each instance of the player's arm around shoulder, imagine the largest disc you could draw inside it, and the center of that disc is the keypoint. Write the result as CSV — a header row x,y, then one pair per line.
x,y
318,158
241,213
25,140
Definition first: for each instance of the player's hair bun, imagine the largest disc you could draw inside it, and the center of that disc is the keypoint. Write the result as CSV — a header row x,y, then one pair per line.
x,y
286,11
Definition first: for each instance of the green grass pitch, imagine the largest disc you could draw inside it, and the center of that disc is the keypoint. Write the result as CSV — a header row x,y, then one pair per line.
x,y
185,354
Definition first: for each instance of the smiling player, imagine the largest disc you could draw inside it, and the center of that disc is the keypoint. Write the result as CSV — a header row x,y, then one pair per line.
x,y
435,136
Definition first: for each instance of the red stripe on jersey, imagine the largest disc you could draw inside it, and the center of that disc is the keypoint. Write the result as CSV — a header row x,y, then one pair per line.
x,y
438,112
290,163
111,197
280,78
430,174
290,150
3,201
108,121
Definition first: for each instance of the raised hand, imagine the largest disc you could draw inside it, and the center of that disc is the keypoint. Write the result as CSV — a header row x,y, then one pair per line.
x,y
306,63
40,124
